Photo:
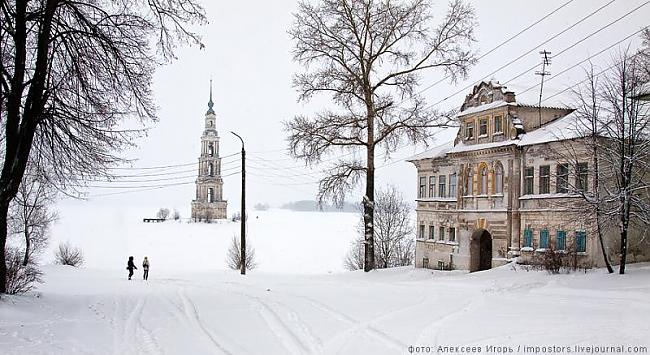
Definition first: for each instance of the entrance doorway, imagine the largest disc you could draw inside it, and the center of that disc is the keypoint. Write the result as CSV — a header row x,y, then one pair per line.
x,y
480,250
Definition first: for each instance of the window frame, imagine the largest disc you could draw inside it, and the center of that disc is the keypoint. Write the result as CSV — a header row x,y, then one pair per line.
x,y
562,178
529,180
432,234
582,176
432,184
423,185
497,187
498,128
544,180
441,233
544,240
528,238
483,180
452,234
442,186
560,235
483,123
581,241
453,177
469,130
421,231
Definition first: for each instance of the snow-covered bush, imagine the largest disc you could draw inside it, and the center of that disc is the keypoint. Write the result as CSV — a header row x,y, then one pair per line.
x,y
163,213
233,259
69,255
176,215
20,279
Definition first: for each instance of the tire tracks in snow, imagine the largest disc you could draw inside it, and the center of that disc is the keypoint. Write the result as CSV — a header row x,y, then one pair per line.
x,y
367,326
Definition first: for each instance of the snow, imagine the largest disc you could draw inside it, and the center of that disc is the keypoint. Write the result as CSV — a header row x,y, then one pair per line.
x,y
490,106
462,147
567,127
298,301
435,152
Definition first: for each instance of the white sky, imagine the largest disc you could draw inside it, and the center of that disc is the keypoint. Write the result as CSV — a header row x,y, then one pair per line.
x,y
248,56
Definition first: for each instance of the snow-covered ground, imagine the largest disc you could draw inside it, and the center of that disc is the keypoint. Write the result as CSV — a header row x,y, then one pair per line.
x,y
299,301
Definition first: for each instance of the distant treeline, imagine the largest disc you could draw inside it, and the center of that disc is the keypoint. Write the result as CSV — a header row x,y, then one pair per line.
x,y
307,205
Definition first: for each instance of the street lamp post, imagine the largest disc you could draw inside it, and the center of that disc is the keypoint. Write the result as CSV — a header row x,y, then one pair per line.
x,y
243,205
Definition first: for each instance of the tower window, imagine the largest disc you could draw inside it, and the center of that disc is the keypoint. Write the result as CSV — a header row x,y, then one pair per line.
x,y
210,194
211,149
211,169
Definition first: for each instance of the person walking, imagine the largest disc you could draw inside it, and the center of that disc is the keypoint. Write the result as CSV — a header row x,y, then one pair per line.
x,y
145,267
130,266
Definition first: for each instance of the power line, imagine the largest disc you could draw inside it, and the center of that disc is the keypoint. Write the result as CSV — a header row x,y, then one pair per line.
x,y
499,45
464,89
162,167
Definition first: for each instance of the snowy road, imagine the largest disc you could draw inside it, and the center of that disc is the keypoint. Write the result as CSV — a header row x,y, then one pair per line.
x,y
386,312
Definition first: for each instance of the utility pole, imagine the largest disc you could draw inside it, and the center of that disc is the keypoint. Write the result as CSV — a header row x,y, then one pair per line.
x,y
243,205
546,60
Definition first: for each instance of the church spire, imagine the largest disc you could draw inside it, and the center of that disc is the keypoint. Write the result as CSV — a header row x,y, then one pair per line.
x,y
210,103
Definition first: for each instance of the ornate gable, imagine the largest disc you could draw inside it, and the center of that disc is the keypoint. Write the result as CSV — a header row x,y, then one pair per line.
x,y
487,92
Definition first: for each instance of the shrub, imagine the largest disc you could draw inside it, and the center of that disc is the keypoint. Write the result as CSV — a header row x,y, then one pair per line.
x,y
163,213
69,255
20,279
233,259
176,215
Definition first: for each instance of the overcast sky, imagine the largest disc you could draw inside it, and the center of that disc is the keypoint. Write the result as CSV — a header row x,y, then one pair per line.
x,y
248,56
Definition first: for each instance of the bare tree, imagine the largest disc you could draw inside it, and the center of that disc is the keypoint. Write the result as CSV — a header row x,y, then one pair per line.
x,y
589,125
20,278
626,151
233,258
394,233
368,56
71,72
162,213
30,214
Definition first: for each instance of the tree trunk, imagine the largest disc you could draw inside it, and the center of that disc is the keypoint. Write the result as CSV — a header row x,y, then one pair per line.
x,y
621,268
369,212
4,210
27,245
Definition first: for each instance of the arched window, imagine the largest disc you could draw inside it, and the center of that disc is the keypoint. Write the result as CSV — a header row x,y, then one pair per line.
x,y
469,182
210,169
498,178
483,186
210,194
210,149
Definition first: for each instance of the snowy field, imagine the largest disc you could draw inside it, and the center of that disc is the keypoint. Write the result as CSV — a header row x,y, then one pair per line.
x,y
300,302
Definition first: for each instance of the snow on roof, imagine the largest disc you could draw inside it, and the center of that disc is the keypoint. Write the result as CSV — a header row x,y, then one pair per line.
x,y
567,127
644,91
492,105
462,147
435,152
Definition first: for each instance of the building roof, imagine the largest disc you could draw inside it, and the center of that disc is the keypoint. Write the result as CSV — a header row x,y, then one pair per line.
x,y
568,127
644,92
438,151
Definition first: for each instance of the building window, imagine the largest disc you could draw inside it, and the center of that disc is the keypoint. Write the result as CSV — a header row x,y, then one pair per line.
x,y
441,233
498,121
452,185
425,263
529,178
432,230
483,186
469,182
562,182
452,234
210,194
482,127
210,169
545,179
543,239
432,185
469,130
210,149
423,185
421,232
581,241
498,179
442,186
560,240
582,176
528,238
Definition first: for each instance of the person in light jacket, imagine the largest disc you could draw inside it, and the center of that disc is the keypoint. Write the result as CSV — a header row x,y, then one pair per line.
x,y
145,268
130,266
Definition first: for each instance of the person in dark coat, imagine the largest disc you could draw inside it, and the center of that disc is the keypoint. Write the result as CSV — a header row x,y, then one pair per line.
x,y
130,266
145,267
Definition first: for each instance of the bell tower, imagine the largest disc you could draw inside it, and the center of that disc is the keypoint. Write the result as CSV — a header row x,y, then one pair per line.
x,y
209,203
